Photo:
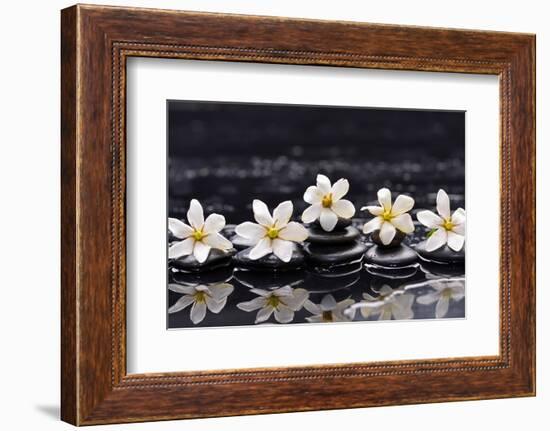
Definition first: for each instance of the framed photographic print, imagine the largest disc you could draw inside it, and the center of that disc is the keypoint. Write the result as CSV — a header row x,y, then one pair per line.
x,y
329,214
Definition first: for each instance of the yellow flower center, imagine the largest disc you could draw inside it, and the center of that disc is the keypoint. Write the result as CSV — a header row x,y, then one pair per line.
x,y
198,234
273,232
327,316
200,296
448,225
386,215
273,301
327,201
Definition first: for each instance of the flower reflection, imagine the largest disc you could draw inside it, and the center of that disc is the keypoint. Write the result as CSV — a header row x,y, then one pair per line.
x,y
389,304
283,302
445,290
330,311
212,297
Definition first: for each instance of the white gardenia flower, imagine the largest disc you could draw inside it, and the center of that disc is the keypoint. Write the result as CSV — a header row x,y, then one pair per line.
x,y
449,229
272,233
327,203
330,311
390,218
390,304
284,302
198,237
213,298
445,290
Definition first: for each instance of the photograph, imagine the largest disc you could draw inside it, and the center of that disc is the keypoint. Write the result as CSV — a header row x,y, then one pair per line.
x,y
297,214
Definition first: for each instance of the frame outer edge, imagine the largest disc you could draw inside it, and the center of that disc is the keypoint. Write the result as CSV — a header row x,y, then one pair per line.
x,y
69,196
88,396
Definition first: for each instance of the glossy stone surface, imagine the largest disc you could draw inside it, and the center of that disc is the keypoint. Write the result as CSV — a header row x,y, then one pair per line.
x,y
216,258
334,254
441,255
391,257
319,236
397,239
269,262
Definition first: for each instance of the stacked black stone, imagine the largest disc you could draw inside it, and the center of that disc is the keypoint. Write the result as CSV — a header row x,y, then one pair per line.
x,y
339,247
392,255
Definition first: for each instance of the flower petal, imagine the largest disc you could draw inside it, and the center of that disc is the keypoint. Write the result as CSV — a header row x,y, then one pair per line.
x,y
215,305
459,216
428,298
402,307
181,248
297,299
373,225
312,307
178,228
328,303
339,189
252,305
443,204
214,223
328,219
402,204
437,240
455,241
313,195
293,232
201,251
442,307
261,249
282,249
374,210
195,214
264,314
216,240
323,184
384,197
459,229
312,213
198,311
282,214
387,233
343,208
404,223
251,231
221,290
181,303
261,213
284,314
429,219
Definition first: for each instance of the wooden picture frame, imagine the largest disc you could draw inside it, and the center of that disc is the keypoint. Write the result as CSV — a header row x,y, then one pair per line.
x,y
96,41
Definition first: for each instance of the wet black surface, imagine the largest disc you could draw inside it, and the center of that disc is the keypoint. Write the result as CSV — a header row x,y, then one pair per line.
x,y
226,155
348,281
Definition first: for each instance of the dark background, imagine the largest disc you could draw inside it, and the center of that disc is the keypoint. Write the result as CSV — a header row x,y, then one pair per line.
x,y
227,154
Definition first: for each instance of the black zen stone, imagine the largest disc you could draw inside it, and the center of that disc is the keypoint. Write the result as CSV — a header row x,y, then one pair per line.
x,y
318,254
441,255
319,236
216,258
269,262
391,256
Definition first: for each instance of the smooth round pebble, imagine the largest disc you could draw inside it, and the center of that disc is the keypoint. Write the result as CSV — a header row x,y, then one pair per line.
x,y
441,255
319,236
391,257
318,254
216,258
269,262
